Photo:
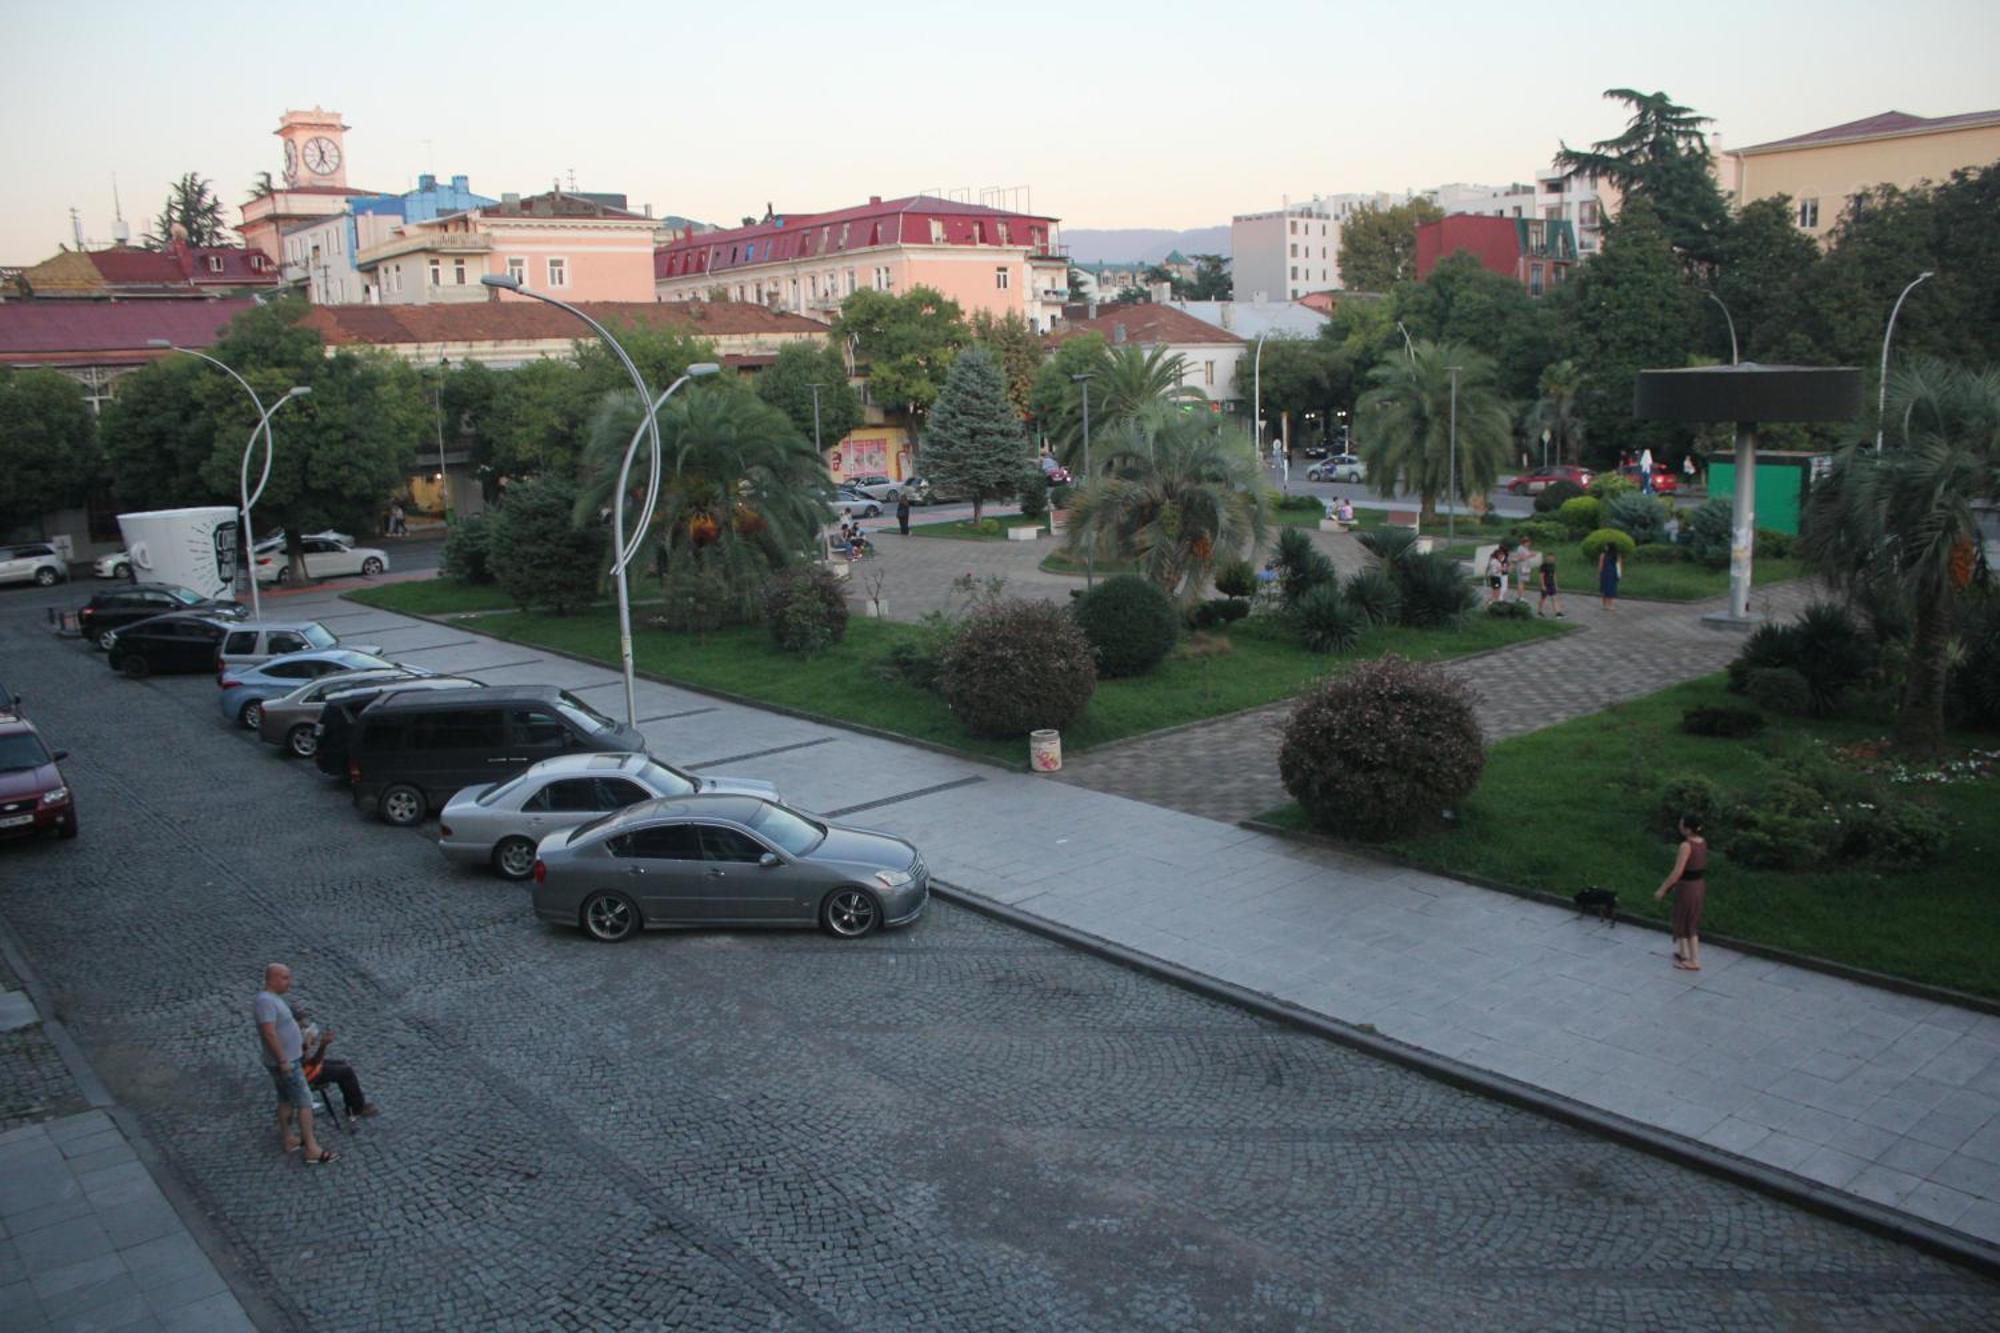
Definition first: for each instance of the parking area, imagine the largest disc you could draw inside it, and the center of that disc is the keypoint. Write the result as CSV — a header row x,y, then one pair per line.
x,y
955,1125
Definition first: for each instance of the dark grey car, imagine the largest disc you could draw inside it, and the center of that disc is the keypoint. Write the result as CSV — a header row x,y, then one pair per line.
x,y
725,861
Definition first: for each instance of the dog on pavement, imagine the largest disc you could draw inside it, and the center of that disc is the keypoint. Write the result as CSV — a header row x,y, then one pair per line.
x,y
1600,903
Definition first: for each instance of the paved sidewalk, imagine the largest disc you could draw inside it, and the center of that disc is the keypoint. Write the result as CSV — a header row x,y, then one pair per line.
x,y
1892,1099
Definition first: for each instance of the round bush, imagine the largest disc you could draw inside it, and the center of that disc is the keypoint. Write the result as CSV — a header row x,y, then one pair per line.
x,y
1729,723
990,527
1130,623
1382,750
1540,531
1780,690
1327,622
1235,577
1894,834
1597,541
1642,517
1773,545
1509,611
1608,484
1034,493
1374,593
1689,794
806,610
1555,495
1708,532
468,550
1434,593
1017,667
1581,514
1219,611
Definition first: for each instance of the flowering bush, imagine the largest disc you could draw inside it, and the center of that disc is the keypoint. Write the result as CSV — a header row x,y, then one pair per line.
x,y
1016,667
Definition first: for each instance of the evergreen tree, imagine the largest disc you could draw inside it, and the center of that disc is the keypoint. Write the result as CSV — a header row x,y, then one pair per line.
x,y
1663,158
48,444
787,386
1378,246
1017,349
1764,265
975,442
1407,420
1631,310
543,559
191,203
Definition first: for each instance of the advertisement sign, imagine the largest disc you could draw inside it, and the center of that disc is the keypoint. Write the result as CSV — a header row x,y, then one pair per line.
x,y
195,548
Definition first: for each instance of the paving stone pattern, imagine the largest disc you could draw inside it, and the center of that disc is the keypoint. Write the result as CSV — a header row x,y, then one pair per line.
x,y
953,1126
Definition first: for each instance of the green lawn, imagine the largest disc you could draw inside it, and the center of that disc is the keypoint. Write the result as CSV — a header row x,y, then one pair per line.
x,y
1571,805
846,683
963,530
434,597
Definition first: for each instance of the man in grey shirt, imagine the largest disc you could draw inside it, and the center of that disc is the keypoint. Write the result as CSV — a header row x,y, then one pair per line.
x,y
281,1046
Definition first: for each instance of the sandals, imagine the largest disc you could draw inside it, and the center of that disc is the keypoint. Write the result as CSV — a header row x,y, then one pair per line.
x,y
326,1156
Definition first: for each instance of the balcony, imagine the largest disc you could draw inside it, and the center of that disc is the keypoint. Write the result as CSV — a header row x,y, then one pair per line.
x,y
437,243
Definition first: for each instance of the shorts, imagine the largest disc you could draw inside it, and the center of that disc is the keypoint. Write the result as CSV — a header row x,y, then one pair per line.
x,y
291,1087
1495,581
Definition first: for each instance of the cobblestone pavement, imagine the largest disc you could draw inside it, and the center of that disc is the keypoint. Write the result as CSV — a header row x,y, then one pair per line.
x,y
954,1126
1228,769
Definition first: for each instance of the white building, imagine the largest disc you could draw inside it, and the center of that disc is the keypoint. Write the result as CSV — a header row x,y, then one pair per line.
x,y
1251,320
1583,201
1283,254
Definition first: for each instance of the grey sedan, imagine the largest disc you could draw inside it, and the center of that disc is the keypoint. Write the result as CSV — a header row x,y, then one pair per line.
x,y
725,861
500,824
291,721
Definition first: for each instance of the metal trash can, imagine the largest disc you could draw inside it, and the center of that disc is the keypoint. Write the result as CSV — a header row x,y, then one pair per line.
x,y
1045,750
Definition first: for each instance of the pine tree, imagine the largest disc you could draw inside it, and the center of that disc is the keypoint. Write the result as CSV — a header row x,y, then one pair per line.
x,y
540,556
975,442
1632,310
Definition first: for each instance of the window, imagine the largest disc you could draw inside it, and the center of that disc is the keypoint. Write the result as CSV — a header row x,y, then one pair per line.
x,y
1208,373
241,642
1809,213
1295,272
668,842
458,272
460,729
437,273
282,642
569,796
558,272
812,286
1001,277
616,793
215,263
538,728
1294,226
850,273
726,844
1534,279
517,269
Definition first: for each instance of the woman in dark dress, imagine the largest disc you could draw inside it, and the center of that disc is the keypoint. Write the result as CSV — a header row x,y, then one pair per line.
x,y
1609,568
1689,881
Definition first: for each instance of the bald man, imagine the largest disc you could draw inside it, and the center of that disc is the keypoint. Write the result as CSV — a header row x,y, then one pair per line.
x,y
281,1046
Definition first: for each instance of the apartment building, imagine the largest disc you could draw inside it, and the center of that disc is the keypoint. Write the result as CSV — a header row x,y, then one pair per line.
x,y
1282,254
320,255
1536,253
580,247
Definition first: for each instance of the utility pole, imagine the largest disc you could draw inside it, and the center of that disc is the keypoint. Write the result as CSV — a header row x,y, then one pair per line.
x,y
1089,557
1451,514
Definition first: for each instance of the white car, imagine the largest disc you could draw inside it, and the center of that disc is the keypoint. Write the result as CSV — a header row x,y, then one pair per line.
x,y
32,562
1341,467
117,565
325,559
877,487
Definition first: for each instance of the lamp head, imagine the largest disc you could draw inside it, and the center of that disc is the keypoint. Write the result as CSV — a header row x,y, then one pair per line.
x,y
700,368
504,281
1084,376
160,342
298,391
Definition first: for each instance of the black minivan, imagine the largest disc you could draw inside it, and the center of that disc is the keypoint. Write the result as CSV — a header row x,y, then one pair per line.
x,y
411,752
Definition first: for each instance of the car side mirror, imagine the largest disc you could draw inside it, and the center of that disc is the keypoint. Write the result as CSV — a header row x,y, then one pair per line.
x,y
60,755
768,859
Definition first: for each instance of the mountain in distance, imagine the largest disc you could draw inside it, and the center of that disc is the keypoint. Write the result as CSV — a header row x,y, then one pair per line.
x,y
1146,245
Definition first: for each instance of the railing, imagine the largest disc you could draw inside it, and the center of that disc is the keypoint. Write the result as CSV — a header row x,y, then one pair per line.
x,y
451,242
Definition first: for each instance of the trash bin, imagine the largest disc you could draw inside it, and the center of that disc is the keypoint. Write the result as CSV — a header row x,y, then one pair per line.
x,y
1045,750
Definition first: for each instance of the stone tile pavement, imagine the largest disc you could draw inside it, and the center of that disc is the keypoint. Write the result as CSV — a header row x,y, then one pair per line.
x,y
1892,1099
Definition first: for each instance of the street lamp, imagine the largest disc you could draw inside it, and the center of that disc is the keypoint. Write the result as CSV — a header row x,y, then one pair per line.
x,y
816,388
1089,558
1882,386
1451,500
1257,390
1734,359
444,486
1408,346
248,540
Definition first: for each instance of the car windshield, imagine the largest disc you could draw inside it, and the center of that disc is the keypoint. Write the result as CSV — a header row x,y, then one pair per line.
x,y
583,714
22,750
788,828
492,794
185,596
665,781
319,636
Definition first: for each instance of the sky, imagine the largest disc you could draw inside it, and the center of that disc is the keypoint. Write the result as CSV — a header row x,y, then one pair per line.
x,y
1162,114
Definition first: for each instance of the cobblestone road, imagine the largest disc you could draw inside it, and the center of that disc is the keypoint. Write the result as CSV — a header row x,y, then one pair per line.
x,y
955,1126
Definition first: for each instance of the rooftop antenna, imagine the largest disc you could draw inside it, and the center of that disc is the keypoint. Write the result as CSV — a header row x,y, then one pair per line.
x,y
120,233
572,180
76,227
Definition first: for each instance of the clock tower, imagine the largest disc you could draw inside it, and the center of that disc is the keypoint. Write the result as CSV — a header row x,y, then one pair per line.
x,y
314,185
315,153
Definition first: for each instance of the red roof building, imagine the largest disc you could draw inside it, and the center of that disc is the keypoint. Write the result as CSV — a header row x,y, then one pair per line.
x,y
1538,253
1208,354
126,272
510,333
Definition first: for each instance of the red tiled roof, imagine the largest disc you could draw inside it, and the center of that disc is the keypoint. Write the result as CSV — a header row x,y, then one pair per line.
x,y
1889,122
797,235
107,332
526,321
1147,324
128,266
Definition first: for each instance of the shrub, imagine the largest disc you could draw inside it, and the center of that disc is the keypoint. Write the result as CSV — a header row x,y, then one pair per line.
x,y
1773,545
1599,540
1895,834
1555,495
1689,794
1609,484
1581,515
1301,566
1541,531
1730,723
1708,533
1327,623
1641,517
1382,749
1775,840
990,527
1387,544
806,610
1659,553
468,550
1832,653
1034,493
1301,503
1433,592
1130,622
1059,496
1375,594
1509,611
1016,667
1492,518
539,555
1779,690
1974,683
1219,611
695,595
1235,577
1769,645
917,660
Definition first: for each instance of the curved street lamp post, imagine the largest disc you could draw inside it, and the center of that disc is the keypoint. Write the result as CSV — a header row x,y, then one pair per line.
x,y
1882,383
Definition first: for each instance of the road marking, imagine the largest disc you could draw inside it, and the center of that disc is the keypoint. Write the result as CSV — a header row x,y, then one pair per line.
x,y
759,754
503,666
433,647
905,796
692,712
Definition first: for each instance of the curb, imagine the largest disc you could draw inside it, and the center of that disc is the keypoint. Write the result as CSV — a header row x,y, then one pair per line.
x,y
1941,1242
1916,990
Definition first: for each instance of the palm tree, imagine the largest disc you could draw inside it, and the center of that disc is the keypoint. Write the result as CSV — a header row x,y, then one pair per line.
x,y
1900,524
1175,492
1407,422
1556,411
1129,381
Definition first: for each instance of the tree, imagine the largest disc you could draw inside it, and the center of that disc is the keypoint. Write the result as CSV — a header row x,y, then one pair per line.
x,y
1900,525
1299,376
1131,296
787,386
1663,158
1176,493
1378,246
1132,379
1078,292
160,429
661,353
264,186
1463,301
1055,402
48,444
1018,350
1211,281
975,442
1763,266
908,342
1555,411
542,557
1406,420
191,203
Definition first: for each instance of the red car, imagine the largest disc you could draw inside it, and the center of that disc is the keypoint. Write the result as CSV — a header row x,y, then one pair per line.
x,y
33,796
1534,483
1664,480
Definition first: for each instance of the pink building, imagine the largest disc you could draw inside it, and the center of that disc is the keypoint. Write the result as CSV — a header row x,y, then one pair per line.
x,y
575,246
983,258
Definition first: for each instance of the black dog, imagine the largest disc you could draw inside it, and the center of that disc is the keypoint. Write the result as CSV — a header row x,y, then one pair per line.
x,y
1600,903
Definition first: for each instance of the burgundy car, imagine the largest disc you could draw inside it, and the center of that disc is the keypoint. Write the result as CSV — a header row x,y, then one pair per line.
x,y
1534,483
33,796
1664,480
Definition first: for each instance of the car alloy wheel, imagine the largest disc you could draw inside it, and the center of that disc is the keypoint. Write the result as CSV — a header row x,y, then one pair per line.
x,y
514,858
284,573
104,639
302,741
134,666
252,716
850,913
45,576
610,917
401,805
371,567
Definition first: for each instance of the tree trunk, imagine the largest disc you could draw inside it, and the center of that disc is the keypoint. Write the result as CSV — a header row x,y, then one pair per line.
x,y
1427,516
978,509
1919,727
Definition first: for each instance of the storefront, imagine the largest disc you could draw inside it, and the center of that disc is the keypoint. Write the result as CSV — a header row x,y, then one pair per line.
x,y
872,451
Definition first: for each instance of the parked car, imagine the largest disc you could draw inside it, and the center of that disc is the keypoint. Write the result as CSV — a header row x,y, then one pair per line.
x,y
116,565
411,752
877,487
276,538
1055,473
32,562
178,641
919,491
853,504
254,641
1534,483
115,608
339,710
725,861
34,797
324,559
1665,481
287,720
500,824
1339,467
245,690
10,704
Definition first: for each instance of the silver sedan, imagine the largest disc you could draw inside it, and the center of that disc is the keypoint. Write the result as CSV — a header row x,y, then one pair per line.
x,y
500,824
288,720
725,861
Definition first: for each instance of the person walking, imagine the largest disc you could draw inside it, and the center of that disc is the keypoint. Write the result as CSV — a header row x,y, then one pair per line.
x,y
282,1047
1689,882
903,513
1610,568
397,525
1687,468
1524,561
1646,471
1549,597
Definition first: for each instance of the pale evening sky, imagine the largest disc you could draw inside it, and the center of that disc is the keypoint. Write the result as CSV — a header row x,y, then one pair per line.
x,y
1159,114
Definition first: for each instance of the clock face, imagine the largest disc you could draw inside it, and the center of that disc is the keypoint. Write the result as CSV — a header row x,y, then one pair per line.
x,y
322,156
291,160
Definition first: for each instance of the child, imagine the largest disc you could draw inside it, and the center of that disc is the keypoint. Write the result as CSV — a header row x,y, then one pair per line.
x,y
1549,595
1496,574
